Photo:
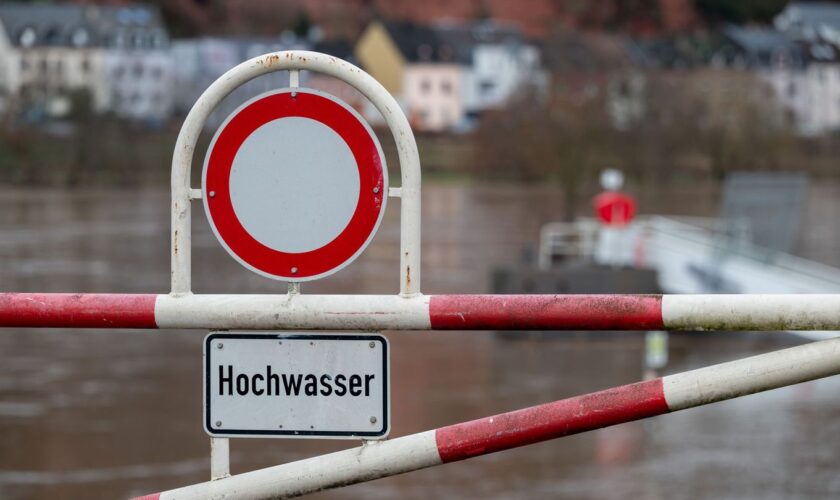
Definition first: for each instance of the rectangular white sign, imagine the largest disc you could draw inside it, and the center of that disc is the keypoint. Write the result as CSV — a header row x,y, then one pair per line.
x,y
296,385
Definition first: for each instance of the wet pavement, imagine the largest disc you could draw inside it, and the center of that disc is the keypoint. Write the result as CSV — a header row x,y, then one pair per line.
x,y
111,414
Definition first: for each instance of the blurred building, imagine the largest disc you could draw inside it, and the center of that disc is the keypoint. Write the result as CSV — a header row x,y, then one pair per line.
x,y
804,73
200,61
446,74
342,49
588,67
498,63
137,63
118,56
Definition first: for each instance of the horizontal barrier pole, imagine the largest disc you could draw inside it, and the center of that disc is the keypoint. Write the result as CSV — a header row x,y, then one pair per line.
x,y
424,312
531,425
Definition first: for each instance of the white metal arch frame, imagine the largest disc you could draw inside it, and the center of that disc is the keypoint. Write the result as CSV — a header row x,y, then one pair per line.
x,y
183,193
293,61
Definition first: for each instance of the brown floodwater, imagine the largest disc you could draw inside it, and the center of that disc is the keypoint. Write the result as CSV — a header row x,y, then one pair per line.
x,y
112,414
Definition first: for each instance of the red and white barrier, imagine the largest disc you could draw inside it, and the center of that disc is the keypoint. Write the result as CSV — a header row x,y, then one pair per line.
x,y
531,425
423,312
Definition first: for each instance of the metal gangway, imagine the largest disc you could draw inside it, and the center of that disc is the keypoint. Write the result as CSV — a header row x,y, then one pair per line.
x,y
691,255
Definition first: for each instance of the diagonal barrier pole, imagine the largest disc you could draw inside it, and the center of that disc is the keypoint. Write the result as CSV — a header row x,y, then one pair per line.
x,y
527,426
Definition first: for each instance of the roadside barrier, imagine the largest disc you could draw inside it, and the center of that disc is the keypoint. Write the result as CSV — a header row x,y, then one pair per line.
x,y
422,312
617,405
411,310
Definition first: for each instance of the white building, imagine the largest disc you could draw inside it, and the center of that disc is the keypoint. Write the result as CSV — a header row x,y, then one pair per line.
x,y
498,64
810,92
119,55
803,72
137,62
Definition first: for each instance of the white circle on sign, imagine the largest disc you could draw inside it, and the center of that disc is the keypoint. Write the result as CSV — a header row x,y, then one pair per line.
x,y
311,173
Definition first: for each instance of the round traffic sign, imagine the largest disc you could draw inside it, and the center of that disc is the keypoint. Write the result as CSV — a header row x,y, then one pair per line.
x,y
294,184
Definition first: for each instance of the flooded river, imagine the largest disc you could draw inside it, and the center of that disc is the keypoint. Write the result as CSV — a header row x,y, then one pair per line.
x,y
112,414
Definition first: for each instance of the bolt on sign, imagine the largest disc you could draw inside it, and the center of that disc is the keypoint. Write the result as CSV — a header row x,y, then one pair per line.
x,y
294,184
296,385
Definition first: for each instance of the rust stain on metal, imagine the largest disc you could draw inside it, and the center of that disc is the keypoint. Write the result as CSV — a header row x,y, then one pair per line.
x,y
407,275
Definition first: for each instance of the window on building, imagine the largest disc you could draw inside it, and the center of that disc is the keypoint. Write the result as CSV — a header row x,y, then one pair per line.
x,y
425,86
27,37
791,90
52,36
137,40
486,86
119,40
80,37
159,40
446,87
137,70
85,65
624,88
424,52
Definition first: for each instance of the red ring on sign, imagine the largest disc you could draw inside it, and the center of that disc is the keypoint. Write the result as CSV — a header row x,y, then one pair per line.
x,y
222,215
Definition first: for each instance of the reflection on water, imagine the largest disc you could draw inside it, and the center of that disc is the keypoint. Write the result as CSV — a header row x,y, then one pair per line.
x,y
96,414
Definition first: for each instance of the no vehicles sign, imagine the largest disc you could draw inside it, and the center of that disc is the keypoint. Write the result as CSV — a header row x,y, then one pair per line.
x,y
295,184
306,386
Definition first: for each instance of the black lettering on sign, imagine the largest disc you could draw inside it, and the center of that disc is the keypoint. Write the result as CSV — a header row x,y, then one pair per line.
x,y
292,384
341,389
311,385
259,391
273,382
242,384
355,385
326,387
225,380
269,383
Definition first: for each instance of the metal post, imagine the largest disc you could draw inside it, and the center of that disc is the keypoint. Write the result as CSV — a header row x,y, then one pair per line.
x,y
219,458
528,426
